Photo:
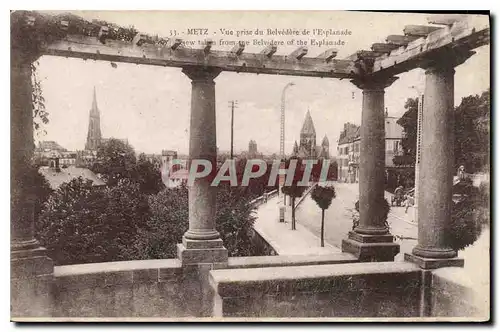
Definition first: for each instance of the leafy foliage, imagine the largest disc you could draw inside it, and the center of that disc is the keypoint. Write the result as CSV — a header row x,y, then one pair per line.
x,y
472,132
469,214
409,123
323,196
41,191
169,221
147,175
115,160
256,186
40,114
294,190
83,224
382,212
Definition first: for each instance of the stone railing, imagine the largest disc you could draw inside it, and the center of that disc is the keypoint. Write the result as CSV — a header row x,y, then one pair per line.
x,y
341,290
150,288
327,286
264,198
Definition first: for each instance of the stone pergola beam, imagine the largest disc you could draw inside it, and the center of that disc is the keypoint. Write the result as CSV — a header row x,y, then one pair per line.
x,y
419,30
445,19
399,40
469,33
173,55
269,50
238,49
328,55
299,53
383,47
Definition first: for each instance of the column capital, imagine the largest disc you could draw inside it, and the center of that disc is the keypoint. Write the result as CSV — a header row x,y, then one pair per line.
x,y
446,60
374,83
201,74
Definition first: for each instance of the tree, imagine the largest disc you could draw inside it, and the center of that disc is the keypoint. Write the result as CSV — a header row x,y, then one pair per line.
x,y
472,132
409,142
84,224
115,160
147,175
41,191
170,220
323,196
294,190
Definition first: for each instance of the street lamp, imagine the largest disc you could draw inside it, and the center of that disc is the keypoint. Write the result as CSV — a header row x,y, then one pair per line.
x,y
282,137
282,127
420,108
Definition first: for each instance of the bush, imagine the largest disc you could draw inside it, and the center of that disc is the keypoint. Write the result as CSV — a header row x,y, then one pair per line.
x,y
84,224
468,215
170,220
464,228
382,213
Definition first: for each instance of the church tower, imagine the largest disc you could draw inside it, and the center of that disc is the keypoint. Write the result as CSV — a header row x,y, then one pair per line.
x,y
94,132
308,137
325,148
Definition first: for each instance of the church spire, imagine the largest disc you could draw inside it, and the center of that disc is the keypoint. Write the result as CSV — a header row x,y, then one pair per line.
x,y
94,132
308,126
94,110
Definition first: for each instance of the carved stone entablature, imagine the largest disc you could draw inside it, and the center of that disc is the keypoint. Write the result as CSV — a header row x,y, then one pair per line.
x,y
364,61
373,83
200,74
447,59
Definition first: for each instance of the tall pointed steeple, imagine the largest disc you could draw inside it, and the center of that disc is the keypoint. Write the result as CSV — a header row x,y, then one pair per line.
x,y
308,125
94,110
295,149
94,132
308,137
325,141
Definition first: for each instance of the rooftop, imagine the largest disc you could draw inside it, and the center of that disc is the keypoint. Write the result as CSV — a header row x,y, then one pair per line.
x,y
56,179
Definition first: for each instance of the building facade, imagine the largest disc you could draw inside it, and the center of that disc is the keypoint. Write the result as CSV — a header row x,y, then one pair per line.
x,y
348,148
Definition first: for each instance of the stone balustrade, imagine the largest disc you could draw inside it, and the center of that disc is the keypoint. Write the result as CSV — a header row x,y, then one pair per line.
x,y
332,286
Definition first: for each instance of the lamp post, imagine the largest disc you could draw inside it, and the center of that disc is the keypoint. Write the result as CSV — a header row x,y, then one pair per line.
x,y
420,108
282,127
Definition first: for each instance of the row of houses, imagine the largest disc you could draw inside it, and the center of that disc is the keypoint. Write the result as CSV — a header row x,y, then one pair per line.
x,y
348,149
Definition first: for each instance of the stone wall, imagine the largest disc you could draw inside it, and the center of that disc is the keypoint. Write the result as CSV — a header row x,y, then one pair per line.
x,y
341,290
455,295
154,288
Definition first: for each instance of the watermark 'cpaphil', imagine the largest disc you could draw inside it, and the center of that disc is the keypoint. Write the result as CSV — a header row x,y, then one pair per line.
x,y
254,168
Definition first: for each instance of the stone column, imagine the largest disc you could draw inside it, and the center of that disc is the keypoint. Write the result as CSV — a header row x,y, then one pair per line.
x,y
436,164
371,240
31,269
202,243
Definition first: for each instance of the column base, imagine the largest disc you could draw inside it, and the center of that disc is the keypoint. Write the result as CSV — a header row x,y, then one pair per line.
x,y
371,248
31,278
30,263
195,252
433,263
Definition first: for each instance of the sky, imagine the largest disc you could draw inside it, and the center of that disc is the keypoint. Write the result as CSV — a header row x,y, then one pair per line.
x,y
150,106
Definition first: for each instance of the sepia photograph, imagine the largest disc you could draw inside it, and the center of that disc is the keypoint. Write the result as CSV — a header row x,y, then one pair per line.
x,y
220,166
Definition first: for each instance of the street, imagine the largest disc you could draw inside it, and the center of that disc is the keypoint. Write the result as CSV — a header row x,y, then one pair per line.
x,y
338,219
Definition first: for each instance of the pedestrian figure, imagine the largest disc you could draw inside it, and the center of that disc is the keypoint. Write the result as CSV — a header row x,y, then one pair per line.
x,y
407,203
461,173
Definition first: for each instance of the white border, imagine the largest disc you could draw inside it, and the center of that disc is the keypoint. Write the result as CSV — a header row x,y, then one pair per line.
x,y
192,5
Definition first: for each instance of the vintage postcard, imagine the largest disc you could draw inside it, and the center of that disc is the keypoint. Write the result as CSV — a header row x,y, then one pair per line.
x,y
250,165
